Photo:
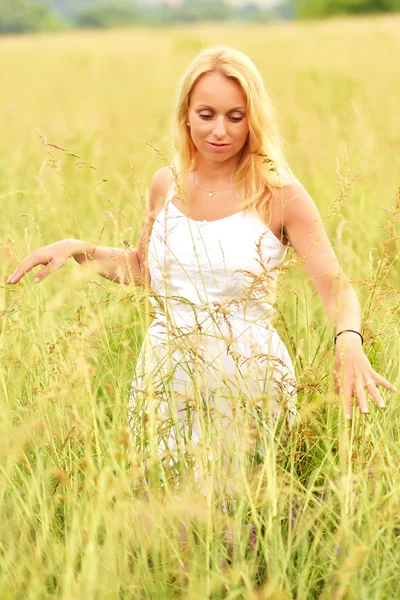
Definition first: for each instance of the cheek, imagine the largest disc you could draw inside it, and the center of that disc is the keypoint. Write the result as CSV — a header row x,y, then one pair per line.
x,y
199,132
241,135
200,127
197,136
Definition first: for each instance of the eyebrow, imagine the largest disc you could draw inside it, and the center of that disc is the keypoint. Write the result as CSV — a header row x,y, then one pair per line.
x,y
204,106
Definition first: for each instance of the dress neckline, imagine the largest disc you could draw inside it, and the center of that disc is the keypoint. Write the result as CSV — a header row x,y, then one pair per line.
x,y
236,214
170,195
239,212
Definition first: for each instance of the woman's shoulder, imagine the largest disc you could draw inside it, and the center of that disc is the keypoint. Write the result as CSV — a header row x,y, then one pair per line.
x,y
285,202
160,185
284,194
297,207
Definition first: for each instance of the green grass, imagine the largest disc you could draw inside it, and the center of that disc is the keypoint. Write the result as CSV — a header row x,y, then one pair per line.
x,y
77,518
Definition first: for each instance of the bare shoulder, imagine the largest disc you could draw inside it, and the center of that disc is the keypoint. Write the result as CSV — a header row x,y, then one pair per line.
x,y
294,203
302,221
160,184
289,195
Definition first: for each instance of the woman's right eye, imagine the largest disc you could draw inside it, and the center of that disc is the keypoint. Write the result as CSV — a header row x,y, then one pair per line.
x,y
206,117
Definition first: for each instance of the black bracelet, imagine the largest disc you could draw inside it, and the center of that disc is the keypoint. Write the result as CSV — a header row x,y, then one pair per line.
x,y
337,335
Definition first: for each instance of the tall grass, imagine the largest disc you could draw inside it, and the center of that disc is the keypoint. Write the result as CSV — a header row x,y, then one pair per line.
x,y
319,515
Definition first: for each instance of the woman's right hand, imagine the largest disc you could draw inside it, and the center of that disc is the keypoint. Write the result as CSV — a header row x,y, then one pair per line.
x,y
54,256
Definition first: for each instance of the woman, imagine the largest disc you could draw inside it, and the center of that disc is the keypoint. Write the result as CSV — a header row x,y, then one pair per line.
x,y
218,225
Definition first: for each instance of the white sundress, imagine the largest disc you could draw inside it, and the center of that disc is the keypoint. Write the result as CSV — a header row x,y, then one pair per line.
x,y
211,366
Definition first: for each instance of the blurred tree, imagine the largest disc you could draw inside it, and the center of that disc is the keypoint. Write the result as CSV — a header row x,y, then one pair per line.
x,y
68,9
19,16
322,8
251,12
202,10
108,14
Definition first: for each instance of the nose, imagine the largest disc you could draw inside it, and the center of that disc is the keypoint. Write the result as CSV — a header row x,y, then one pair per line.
x,y
219,129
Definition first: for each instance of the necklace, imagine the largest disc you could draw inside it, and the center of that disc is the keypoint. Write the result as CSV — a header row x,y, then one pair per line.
x,y
210,192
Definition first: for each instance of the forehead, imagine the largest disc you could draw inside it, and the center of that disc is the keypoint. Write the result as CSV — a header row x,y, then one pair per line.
x,y
217,90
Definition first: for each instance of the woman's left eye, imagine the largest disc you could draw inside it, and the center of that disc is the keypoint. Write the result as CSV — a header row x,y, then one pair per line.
x,y
233,119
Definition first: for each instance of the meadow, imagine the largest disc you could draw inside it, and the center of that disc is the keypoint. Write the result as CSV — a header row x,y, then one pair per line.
x,y
85,125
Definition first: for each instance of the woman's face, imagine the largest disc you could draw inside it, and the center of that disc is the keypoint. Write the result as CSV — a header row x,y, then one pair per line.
x,y
217,117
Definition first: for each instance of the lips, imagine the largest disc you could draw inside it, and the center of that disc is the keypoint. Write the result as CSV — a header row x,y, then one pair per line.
x,y
217,145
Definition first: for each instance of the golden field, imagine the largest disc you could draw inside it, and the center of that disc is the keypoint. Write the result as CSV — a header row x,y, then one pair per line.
x,y
85,116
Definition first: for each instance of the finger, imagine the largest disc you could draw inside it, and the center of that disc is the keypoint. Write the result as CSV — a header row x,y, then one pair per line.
x,y
19,272
362,400
33,260
50,268
336,382
348,402
382,381
376,395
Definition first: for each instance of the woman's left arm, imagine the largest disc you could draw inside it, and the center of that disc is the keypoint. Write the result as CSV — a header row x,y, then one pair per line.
x,y
304,228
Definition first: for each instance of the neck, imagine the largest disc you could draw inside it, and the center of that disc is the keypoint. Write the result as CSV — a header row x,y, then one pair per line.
x,y
213,174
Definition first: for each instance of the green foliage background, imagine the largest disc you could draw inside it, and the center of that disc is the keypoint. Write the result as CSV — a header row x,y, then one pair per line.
x,y
327,8
19,16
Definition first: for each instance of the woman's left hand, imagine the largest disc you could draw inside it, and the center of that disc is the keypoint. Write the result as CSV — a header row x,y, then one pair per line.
x,y
353,374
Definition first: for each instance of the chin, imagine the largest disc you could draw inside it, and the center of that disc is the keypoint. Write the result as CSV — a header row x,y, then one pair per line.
x,y
218,156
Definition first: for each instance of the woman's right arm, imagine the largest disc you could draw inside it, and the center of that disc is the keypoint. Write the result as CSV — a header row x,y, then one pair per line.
x,y
117,264
121,265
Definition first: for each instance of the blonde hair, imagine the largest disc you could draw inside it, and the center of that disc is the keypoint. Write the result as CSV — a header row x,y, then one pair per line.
x,y
261,162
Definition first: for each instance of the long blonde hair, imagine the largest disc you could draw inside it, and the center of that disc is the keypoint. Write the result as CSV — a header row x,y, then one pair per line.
x,y
261,163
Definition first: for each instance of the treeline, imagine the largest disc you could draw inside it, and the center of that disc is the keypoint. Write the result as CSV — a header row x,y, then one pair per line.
x,y
17,16
20,16
330,8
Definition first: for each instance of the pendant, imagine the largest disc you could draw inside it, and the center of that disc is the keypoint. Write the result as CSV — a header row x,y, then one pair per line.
x,y
210,193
